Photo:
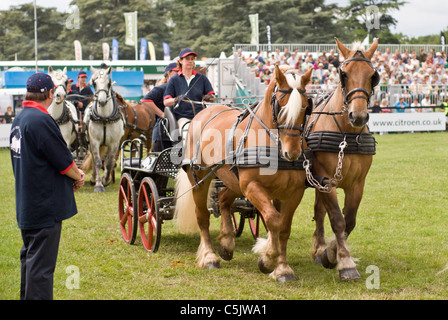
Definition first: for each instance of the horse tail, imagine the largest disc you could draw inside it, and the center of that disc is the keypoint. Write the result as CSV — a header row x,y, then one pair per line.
x,y
87,163
185,212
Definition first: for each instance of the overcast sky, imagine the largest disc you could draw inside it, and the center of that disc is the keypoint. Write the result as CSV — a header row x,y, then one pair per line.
x,y
415,18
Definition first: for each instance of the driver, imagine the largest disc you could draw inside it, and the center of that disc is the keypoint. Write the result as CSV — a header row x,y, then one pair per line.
x,y
81,89
194,86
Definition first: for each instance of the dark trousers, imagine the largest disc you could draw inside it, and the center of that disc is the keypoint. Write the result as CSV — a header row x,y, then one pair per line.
x,y
38,259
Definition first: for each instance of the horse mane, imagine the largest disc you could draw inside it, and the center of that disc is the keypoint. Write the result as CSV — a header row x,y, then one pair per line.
x,y
289,113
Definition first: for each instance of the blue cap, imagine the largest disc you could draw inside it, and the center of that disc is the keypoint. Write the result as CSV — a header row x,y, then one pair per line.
x,y
82,74
171,66
187,52
39,82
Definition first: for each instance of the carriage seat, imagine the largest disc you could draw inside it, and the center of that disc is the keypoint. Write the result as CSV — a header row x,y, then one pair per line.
x,y
171,124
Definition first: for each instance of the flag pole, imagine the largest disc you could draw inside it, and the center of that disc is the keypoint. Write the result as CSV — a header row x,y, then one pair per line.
x,y
136,36
35,33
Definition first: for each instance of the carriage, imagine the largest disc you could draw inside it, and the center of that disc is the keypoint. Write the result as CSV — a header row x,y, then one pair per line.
x,y
301,134
147,195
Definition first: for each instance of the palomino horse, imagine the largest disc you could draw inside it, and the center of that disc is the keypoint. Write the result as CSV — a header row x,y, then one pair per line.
x,y
343,150
275,192
62,110
104,127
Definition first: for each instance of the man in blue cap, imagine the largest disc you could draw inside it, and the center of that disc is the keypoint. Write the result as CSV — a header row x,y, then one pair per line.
x,y
45,178
154,100
81,88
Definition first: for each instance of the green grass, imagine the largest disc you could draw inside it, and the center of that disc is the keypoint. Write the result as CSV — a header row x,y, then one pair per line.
x,y
401,229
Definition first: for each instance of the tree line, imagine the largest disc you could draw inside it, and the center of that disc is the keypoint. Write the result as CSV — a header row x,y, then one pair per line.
x,y
207,26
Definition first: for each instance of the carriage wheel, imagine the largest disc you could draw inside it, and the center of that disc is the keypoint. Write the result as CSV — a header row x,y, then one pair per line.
x,y
127,208
258,226
238,223
149,221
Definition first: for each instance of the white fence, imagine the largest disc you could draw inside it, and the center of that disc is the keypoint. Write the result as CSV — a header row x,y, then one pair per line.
x,y
4,135
319,48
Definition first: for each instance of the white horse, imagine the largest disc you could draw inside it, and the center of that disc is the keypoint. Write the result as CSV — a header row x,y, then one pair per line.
x,y
62,110
105,127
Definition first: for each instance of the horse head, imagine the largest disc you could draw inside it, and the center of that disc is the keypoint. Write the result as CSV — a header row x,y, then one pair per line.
x,y
358,78
60,80
102,84
289,103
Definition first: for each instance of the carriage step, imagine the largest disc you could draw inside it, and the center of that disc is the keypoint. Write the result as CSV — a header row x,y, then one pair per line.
x,y
166,207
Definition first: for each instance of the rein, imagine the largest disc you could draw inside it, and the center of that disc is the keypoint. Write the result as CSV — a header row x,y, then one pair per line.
x,y
112,118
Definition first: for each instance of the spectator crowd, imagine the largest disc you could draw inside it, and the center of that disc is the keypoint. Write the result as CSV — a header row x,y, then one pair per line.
x,y
418,81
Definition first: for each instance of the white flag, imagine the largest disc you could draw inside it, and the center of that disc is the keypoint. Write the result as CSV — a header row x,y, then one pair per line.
x,y
253,18
365,42
106,51
78,50
130,19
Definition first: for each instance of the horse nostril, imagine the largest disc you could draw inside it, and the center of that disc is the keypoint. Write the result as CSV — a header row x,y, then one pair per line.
x,y
350,115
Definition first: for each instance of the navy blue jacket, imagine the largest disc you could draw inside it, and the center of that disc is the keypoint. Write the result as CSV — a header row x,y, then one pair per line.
x,y
156,96
40,159
86,91
177,86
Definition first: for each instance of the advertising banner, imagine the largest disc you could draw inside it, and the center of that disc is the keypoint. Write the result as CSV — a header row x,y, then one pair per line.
x,y
406,122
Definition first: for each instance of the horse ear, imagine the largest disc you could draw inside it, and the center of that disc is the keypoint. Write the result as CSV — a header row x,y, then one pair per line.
x,y
306,77
369,53
279,76
64,71
50,69
92,69
109,70
343,50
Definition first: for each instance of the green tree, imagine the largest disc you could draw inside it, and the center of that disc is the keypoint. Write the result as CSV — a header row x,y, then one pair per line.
x,y
17,32
357,14
296,21
101,21
212,26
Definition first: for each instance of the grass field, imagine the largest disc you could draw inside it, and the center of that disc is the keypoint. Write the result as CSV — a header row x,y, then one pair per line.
x,y
401,232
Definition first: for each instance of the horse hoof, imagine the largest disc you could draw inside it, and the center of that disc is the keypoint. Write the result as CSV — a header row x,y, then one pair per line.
x,y
325,262
317,260
262,267
286,278
225,254
213,265
99,189
349,274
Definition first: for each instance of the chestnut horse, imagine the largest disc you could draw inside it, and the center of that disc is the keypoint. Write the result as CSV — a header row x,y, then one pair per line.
x,y
140,121
343,150
278,119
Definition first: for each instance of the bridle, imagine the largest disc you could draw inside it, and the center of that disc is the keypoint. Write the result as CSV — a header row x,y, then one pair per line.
x,y
115,115
343,76
107,91
276,110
